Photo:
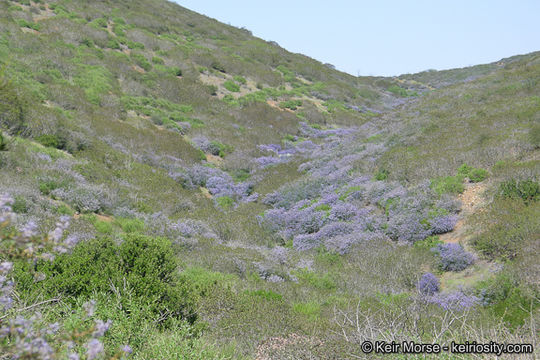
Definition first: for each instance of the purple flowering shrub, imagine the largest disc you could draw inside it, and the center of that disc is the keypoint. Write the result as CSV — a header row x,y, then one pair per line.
x,y
428,284
443,224
455,300
453,257
218,182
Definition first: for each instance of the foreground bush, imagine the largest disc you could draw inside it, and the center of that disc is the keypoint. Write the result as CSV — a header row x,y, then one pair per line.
x,y
143,266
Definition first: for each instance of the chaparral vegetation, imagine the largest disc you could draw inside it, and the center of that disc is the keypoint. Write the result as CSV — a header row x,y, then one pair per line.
x,y
174,188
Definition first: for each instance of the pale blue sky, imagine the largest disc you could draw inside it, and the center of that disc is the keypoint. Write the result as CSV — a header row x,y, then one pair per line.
x,y
388,37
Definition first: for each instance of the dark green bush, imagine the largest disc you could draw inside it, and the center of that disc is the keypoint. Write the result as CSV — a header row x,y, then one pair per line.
x,y
143,266
474,174
527,190
50,140
12,106
290,104
381,175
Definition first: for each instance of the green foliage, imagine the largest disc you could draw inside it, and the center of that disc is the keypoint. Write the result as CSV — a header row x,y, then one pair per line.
x,y
28,24
51,140
103,227
12,106
290,104
311,309
141,60
428,243
474,174
130,225
158,60
141,265
231,86
448,185
381,175
225,202
20,205
240,79
399,91
99,23
95,80
513,226
526,190
318,281
268,295
65,210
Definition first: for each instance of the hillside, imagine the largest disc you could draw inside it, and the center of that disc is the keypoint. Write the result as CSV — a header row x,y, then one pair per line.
x,y
215,196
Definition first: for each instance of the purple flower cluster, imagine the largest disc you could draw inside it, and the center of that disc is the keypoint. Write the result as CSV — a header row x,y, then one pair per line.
x,y
453,257
443,224
218,182
6,286
428,284
455,300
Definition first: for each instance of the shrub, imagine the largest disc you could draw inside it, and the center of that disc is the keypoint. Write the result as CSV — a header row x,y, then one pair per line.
x,y
381,175
51,140
12,106
453,257
474,174
143,266
443,224
225,202
290,104
240,79
141,61
158,60
428,284
231,86
448,185
527,190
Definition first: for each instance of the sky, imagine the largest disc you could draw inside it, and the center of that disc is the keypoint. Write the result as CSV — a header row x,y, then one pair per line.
x,y
387,37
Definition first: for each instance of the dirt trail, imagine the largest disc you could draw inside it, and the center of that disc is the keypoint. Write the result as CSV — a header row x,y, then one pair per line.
x,y
471,202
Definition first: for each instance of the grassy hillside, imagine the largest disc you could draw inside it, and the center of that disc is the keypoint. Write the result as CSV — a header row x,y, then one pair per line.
x,y
173,187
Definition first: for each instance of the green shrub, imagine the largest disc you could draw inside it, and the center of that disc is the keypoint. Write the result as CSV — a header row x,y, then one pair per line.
x,y
448,185
318,281
381,175
225,202
158,60
290,104
474,174
28,24
51,140
240,79
527,190
142,266
428,243
103,227
12,106
231,86
142,61
19,205
100,23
